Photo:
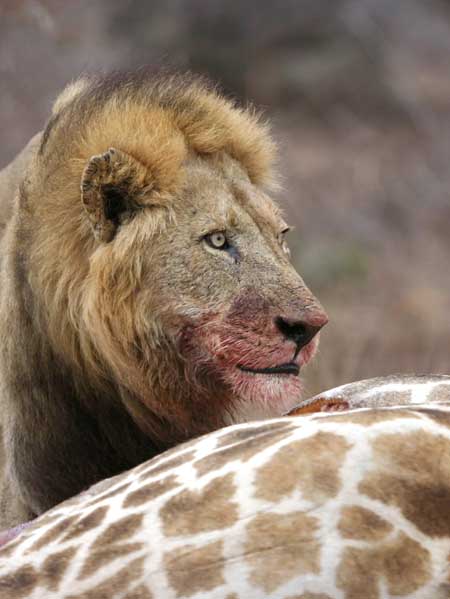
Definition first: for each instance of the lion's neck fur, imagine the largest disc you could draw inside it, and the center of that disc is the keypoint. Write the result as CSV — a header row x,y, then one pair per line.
x,y
57,439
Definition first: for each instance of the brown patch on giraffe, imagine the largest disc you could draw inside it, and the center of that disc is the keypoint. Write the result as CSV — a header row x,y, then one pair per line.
x,y
372,416
20,584
311,465
243,450
112,544
154,469
180,515
359,523
232,596
53,533
414,475
140,592
150,491
309,596
119,582
250,432
403,564
54,567
86,523
98,558
279,547
192,570
118,531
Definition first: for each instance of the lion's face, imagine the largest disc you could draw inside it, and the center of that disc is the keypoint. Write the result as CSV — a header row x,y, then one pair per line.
x,y
191,301
217,279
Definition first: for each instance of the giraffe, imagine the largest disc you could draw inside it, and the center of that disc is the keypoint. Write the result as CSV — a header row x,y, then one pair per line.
x,y
347,505
393,390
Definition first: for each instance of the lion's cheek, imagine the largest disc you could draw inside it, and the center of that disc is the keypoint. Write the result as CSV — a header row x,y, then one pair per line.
x,y
263,396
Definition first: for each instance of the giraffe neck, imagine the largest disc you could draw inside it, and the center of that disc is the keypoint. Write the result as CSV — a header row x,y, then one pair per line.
x,y
329,506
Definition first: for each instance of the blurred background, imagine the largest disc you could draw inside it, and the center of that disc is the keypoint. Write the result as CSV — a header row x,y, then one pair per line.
x,y
359,95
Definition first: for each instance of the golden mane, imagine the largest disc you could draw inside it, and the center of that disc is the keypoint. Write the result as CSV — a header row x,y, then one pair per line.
x,y
159,120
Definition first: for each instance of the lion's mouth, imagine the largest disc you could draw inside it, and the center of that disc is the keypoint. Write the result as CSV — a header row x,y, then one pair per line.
x,y
290,368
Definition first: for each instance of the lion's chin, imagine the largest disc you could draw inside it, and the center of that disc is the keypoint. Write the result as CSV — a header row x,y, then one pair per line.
x,y
261,396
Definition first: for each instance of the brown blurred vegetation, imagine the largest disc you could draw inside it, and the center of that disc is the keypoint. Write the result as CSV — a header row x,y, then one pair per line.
x,y
359,93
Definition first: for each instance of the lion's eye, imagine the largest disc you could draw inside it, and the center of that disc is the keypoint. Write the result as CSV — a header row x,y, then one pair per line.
x,y
217,240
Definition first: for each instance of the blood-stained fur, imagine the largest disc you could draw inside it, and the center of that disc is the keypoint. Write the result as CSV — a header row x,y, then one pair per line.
x,y
146,291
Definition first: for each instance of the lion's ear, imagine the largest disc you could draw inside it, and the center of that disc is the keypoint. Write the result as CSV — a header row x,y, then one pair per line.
x,y
111,187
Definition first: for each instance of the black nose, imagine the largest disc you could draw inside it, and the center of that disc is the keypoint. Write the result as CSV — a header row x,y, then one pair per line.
x,y
298,331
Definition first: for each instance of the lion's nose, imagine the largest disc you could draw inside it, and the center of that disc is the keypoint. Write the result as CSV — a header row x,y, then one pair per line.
x,y
301,332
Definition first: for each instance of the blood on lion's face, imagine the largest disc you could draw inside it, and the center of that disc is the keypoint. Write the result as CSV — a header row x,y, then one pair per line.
x,y
213,285
251,323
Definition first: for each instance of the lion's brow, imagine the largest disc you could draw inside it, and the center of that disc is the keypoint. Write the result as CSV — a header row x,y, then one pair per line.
x,y
259,208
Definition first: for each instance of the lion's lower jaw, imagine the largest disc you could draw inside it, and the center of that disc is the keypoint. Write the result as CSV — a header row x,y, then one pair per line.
x,y
261,396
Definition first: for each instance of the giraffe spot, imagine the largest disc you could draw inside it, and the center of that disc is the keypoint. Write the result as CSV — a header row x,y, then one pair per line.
x,y
250,432
19,584
118,583
162,464
53,533
119,530
113,543
243,450
54,567
370,417
150,491
311,465
192,511
86,523
140,592
279,547
402,564
192,570
359,523
414,475
98,558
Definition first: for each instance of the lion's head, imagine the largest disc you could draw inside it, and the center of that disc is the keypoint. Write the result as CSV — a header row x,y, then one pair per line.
x,y
169,284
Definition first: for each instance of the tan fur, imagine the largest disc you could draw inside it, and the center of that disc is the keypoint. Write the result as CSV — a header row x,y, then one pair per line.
x,y
121,329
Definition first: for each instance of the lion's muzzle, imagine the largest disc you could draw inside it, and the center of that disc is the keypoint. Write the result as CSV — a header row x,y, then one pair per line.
x,y
301,332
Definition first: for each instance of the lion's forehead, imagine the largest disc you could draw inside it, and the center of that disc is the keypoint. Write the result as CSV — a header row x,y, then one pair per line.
x,y
214,195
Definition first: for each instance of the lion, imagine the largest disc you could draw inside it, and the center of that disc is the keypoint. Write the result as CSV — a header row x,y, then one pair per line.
x,y
147,296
